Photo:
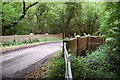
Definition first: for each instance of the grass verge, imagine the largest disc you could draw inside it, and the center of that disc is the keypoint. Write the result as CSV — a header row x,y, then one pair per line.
x,y
12,42
50,69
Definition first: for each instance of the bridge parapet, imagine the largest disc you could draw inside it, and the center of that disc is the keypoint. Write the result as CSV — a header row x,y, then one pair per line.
x,y
83,43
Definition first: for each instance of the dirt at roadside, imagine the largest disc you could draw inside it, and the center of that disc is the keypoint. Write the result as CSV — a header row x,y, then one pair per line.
x,y
39,71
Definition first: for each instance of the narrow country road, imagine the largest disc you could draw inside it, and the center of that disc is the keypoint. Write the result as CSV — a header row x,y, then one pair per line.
x,y
16,63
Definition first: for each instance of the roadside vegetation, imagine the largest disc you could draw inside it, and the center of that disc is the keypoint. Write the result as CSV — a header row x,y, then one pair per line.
x,y
103,63
46,71
12,42
56,67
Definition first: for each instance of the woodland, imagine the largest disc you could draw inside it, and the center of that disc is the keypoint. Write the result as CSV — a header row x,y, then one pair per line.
x,y
69,18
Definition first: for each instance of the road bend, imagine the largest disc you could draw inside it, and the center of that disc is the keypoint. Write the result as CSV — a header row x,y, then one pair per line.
x,y
17,63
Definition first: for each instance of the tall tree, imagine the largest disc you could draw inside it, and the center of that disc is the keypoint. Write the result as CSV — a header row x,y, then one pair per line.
x,y
10,8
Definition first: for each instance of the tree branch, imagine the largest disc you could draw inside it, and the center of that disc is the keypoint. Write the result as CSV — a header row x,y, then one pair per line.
x,y
25,10
31,6
22,16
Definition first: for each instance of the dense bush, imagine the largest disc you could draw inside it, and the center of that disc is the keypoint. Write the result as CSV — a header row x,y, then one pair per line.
x,y
103,63
95,65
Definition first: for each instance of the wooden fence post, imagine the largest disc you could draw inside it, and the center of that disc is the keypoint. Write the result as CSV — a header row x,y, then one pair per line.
x,y
77,47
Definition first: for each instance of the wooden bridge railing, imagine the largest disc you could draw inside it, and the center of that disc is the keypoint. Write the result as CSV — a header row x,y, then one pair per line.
x,y
84,43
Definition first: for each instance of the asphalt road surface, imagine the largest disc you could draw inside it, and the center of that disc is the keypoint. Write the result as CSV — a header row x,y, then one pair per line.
x,y
17,63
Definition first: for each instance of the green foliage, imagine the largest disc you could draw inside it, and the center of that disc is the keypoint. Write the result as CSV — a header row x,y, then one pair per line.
x,y
50,39
56,68
69,18
27,41
109,19
8,42
46,38
77,18
103,63
10,12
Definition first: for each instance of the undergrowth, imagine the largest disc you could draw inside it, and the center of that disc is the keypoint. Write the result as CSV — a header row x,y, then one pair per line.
x,y
27,41
56,68
102,63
